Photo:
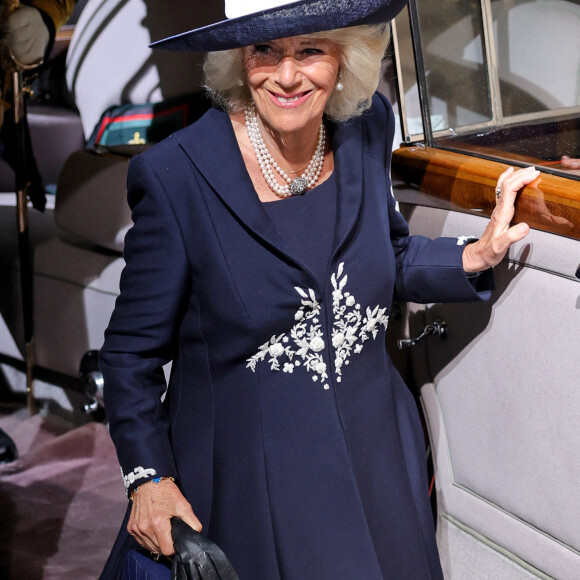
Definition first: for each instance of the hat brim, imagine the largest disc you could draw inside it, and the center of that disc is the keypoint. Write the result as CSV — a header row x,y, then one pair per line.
x,y
304,17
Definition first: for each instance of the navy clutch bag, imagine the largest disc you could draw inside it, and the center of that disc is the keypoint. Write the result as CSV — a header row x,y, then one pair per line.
x,y
140,566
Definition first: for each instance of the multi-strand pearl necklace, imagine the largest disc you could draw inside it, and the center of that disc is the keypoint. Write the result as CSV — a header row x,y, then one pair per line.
x,y
296,186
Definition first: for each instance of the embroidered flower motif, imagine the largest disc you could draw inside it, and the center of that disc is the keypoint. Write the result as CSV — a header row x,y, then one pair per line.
x,y
317,344
304,344
276,350
351,329
137,473
462,240
320,368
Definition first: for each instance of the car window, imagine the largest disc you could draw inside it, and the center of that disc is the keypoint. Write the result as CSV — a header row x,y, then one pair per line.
x,y
538,54
452,38
499,78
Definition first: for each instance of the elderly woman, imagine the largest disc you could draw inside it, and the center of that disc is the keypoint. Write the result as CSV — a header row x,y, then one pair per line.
x,y
266,253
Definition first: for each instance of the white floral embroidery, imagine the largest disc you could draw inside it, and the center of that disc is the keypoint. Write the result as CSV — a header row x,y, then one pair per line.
x,y
137,473
305,343
351,328
462,240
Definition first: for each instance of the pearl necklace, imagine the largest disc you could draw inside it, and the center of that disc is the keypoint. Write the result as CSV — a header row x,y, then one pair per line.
x,y
296,186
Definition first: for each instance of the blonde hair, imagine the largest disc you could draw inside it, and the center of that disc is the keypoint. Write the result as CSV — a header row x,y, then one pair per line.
x,y
362,50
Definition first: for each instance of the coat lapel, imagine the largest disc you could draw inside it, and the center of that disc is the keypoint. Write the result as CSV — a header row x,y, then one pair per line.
x,y
218,158
348,164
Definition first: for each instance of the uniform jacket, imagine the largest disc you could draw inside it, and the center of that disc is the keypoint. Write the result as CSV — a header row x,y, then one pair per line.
x,y
284,422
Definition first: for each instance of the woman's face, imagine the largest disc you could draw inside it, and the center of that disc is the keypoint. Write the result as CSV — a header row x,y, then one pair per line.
x,y
291,80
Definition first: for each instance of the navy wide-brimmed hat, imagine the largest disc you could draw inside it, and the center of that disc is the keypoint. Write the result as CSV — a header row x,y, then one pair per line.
x,y
248,22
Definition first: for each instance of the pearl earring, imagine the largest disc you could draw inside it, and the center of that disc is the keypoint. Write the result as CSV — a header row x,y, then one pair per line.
x,y
339,85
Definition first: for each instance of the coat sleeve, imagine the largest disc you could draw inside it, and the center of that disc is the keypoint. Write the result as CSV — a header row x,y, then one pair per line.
x,y
141,334
427,270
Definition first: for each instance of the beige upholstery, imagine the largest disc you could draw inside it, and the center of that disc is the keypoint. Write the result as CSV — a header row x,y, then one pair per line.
x,y
502,403
91,204
475,558
75,291
41,228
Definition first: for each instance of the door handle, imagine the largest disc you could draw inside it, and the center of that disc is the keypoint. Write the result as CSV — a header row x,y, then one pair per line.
x,y
437,328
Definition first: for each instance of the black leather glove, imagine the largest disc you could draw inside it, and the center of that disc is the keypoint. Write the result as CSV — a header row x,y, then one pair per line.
x,y
196,557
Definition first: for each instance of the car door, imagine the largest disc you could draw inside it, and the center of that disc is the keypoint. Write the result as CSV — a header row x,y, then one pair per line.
x,y
484,85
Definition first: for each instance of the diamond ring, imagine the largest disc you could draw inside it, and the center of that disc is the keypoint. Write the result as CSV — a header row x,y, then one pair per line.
x,y
498,192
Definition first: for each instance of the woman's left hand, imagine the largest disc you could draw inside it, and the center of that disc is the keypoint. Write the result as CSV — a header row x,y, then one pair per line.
x,y
493,245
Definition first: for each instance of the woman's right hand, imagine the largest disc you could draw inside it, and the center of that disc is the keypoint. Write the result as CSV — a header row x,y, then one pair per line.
x,y
154,504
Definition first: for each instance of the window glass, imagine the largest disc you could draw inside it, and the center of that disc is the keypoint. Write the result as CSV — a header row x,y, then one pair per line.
x,y
455,63
538,54
410,108
537,58
516,100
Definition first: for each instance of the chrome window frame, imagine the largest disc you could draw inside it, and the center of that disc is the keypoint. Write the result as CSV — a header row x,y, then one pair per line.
x,y
497,120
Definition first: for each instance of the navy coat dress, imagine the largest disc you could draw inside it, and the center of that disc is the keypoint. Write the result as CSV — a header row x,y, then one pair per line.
x,y
285,423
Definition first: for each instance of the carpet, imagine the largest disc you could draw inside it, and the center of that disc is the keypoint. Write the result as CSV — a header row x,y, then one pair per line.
x,y
61,502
